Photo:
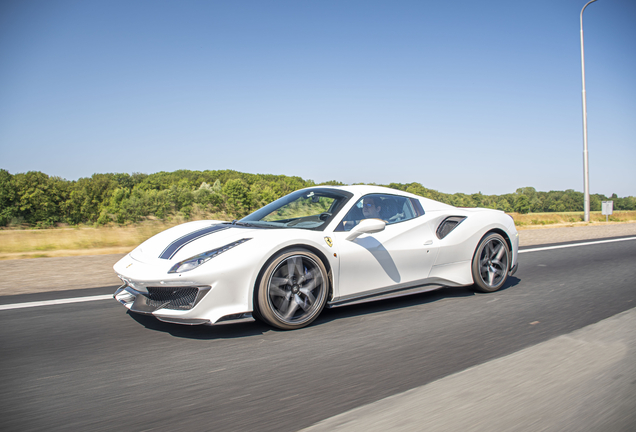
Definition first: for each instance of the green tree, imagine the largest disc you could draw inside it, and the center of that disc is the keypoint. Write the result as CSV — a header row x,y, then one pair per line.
x,y
209,197
38,198
88,196
504,205
596,202
236,197
530,192
7,197
522,204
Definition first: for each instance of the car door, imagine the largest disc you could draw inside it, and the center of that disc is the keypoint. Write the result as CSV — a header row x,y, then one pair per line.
x,y
401,255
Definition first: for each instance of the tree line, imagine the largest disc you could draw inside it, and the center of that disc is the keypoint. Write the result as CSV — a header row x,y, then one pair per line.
x,y
39,200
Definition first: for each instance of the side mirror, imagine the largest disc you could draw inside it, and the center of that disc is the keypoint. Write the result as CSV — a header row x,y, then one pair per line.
x,y
366,226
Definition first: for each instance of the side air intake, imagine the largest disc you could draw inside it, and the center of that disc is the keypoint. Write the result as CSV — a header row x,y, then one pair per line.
x,y
448,225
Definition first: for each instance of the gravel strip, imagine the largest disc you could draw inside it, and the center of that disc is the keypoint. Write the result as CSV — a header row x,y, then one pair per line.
x,y
57,274
550,235
65,273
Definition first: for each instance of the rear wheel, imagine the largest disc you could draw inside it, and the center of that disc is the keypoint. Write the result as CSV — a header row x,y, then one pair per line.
x,y
491,263
293,289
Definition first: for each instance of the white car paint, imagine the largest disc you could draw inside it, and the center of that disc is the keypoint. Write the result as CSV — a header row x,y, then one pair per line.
x,y
397,256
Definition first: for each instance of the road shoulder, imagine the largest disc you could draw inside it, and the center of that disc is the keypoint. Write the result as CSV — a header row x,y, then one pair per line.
x,y
582,381
551,235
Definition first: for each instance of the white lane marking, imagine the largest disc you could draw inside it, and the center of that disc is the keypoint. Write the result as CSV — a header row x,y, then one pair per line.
x,y
576,244
55,302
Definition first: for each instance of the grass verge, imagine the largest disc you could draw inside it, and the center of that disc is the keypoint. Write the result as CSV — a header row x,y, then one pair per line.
x,y
64,241
533,220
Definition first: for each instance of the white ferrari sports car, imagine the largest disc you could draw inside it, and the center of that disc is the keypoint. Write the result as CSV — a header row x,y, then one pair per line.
x,y
318,247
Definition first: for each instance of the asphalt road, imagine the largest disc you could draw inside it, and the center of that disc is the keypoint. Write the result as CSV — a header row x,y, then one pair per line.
x,y
92,366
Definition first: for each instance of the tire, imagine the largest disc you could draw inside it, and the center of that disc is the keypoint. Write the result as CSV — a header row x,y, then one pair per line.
x,y
292,290
491,263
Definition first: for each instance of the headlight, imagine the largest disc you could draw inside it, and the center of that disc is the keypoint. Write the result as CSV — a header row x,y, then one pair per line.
x,y
197,260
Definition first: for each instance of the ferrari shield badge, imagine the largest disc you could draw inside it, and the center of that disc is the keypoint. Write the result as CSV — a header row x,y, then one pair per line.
x,y
329,241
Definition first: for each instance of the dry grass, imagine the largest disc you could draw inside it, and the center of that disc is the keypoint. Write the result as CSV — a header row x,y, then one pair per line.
x,y
38,243
49,242
568,218
87,240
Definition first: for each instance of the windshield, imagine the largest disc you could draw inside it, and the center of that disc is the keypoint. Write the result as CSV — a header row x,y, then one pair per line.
x,y
308,209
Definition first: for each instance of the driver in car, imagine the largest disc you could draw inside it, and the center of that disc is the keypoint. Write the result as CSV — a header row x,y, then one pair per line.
x,y
370,209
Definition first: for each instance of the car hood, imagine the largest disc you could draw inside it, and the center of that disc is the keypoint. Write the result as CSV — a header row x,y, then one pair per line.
x,y
187,240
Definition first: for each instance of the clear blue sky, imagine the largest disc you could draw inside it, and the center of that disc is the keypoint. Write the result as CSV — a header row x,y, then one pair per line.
x,y
461,96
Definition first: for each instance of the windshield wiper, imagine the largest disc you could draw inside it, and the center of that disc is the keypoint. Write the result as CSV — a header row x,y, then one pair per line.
x,y
239,223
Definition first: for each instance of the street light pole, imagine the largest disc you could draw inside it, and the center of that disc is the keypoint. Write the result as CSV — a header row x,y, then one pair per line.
x,y
586,167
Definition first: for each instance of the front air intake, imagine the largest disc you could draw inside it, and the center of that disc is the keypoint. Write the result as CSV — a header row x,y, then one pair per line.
x,y
176,298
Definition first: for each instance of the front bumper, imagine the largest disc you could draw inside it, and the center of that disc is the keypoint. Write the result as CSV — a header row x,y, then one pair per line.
x,y
166,299
513,270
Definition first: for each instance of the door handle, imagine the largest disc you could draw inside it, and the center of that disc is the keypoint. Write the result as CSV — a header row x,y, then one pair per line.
x,y
428,242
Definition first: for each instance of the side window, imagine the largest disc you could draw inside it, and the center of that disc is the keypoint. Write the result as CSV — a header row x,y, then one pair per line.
x,y
390,208
417,206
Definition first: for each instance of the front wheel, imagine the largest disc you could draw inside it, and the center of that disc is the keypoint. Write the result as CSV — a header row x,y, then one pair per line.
x,y
293,289
491,263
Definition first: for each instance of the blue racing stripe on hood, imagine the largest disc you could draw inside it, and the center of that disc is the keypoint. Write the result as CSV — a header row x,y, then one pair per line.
x,y
176,245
